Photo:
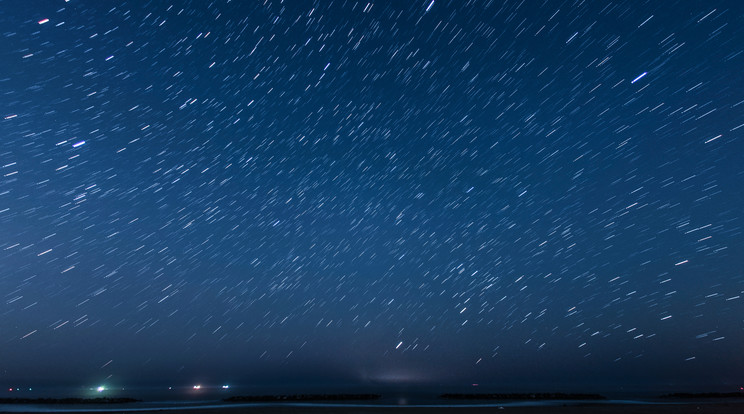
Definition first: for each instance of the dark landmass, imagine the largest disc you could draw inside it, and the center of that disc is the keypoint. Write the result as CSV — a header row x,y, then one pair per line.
x,y
524,397
303,397
689,395
102,400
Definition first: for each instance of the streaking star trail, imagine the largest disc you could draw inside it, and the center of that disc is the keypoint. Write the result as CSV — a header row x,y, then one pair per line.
x,y
535,195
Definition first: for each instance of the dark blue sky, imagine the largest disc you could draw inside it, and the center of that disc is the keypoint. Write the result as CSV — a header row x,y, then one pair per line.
x,y
389,192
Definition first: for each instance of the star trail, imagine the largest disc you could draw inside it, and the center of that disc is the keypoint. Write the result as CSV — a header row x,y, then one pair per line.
x,y
387,192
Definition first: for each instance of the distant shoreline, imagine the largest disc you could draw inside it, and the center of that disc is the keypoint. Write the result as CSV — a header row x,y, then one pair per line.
x,y
545,396
461,398
68,401
303,397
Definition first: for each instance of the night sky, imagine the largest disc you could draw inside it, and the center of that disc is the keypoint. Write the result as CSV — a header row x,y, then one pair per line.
x,y
372,192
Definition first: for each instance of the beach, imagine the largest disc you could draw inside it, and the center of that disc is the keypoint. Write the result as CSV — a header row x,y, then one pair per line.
x,y
557,408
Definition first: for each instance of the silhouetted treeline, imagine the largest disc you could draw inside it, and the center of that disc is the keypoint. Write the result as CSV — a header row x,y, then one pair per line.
x,y
102,400
522,397
705,395
302,397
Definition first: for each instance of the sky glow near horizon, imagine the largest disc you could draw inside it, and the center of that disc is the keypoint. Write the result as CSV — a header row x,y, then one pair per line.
x,y
447,192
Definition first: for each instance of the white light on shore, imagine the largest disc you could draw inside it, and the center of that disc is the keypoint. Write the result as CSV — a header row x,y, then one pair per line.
x,y
101,389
